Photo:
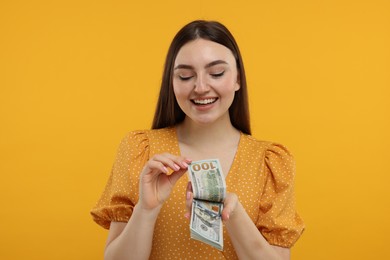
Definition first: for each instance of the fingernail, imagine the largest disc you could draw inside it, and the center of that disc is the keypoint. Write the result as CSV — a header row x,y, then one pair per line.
x,y
185,164
166,170
177,167
187,215
188,195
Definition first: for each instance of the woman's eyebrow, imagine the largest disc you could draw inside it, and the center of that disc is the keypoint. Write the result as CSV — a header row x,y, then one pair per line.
x,y
213,63
184,66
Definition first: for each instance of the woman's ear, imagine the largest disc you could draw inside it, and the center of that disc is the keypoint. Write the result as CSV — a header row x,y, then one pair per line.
x,y
237,85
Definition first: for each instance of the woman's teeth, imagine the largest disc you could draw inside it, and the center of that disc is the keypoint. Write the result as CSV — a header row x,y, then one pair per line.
x,y
204,101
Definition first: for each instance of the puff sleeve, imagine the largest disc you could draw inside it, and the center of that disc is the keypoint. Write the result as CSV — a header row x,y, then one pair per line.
x,y
121,191
278,220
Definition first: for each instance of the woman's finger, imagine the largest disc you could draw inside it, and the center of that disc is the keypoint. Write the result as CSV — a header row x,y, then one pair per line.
x,y
176,163
229,205
189,187
155,167
181,161
189,198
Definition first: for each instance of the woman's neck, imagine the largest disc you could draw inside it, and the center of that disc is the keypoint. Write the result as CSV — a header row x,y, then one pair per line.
x,y
193,134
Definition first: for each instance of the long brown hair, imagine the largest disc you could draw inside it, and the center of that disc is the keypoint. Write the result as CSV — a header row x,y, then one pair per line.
x,y
168,113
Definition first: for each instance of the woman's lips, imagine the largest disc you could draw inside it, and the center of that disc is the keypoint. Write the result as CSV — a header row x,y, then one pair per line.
x,y
204,101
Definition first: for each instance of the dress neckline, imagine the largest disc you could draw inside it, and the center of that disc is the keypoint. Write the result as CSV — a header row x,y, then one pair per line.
x,y
235,158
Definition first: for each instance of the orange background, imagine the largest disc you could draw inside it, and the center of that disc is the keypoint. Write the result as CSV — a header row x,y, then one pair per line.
x,y
75,76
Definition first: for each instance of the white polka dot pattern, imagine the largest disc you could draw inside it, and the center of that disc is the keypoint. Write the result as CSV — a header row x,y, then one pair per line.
x,y
262,175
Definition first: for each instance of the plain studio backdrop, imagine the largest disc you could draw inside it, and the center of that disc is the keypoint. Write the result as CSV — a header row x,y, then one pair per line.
x,y
76,76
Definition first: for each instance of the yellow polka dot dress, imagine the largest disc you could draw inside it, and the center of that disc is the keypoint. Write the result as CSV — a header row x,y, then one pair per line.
x,y
262,175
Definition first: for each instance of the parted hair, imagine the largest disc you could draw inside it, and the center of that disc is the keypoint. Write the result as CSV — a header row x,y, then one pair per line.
x,y
168,113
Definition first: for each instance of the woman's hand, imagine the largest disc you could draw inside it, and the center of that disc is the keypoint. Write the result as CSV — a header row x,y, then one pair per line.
x,y
229,204
155,181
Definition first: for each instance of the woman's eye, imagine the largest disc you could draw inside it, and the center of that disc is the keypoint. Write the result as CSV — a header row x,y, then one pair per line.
x,y
217,75
184,78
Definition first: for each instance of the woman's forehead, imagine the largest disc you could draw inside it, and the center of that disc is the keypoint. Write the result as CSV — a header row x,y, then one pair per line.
x,y
203,52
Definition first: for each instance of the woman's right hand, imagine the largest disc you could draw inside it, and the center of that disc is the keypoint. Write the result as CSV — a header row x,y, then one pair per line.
x,y
155,181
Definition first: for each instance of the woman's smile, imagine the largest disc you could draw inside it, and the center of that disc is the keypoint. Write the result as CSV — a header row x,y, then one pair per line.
x,y
204,101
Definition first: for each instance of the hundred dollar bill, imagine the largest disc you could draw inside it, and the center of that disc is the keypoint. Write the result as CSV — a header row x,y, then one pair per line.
x,y
209,189
207,179
206,223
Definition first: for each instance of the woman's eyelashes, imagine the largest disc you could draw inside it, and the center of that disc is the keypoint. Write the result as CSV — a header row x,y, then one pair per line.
x,y
217,75
185,78
213,75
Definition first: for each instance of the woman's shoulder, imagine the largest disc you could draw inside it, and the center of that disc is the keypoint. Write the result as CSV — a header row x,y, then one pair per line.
x,y
152,141
268,148
146,138
275,156
150,133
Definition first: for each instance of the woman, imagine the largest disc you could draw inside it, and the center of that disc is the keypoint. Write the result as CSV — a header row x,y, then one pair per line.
x,y
202,113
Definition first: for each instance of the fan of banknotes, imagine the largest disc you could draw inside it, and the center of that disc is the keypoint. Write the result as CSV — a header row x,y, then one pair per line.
x,y
209,189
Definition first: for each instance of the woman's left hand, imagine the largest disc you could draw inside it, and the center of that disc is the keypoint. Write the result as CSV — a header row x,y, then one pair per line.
x,y
229,204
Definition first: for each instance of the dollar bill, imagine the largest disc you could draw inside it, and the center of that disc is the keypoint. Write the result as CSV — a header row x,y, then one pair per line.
x,y
209,189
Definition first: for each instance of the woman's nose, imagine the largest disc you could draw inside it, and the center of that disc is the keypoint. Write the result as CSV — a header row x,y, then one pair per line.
x,y
201,85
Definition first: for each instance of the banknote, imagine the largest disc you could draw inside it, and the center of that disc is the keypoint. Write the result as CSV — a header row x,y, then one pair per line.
x,y
209,189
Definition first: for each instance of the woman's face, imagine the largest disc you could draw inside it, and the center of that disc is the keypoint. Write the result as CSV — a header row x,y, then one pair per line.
x,y
205,79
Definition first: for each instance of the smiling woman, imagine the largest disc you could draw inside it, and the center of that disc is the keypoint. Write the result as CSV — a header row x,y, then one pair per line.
x,y
168,112
205,81
202,113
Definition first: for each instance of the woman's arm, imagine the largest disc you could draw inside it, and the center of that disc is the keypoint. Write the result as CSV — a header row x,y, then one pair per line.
x,y
246,238
133,240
